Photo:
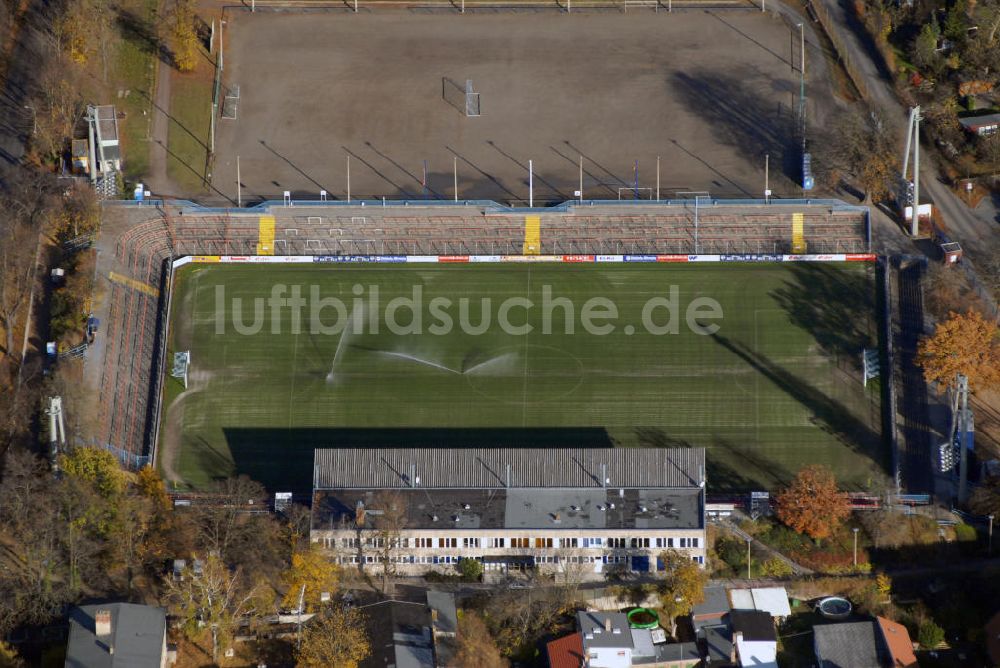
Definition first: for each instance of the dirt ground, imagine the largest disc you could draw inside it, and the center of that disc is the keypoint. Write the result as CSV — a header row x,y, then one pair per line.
x,y
709,91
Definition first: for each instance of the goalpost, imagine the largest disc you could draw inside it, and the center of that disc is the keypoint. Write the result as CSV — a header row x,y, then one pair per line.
x,y
655,4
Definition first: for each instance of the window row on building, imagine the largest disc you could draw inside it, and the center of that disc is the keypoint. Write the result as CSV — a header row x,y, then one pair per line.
x,y
537,543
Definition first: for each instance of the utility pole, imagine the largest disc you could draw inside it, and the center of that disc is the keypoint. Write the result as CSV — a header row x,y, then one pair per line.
x,y
802,84
748,559
581,178
239,187
767,177
963,427
348,177
913,141
454,169
855,530
989,545
531,185
657,178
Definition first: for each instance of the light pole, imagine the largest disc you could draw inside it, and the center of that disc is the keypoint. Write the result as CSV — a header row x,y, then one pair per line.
x,y
767,178
855,530
34,118
989,544
748,559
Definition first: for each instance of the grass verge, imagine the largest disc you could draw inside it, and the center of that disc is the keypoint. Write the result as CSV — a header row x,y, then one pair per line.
x,y
134,75
188,133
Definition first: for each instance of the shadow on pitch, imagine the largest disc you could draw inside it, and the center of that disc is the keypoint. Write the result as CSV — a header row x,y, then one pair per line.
x,y
833,305
826,412
747,118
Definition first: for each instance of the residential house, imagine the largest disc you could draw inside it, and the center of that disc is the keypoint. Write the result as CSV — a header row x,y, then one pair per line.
x,y
877,643
754,639
897,641
571,510
772,600
412,635
117,635
606,640
710,620
981,126
566,652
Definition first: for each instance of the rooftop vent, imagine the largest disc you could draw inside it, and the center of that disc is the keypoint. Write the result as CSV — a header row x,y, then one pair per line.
x,y
642,509
600,507
455,517
466,506
434,518
574,508
556,518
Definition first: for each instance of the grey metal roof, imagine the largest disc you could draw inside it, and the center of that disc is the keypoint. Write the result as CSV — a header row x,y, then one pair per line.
x,y
447,615
675,651
596,634
847,645
980,121
399,635
755,625
137,636
492,468
715,605
554,510
718,642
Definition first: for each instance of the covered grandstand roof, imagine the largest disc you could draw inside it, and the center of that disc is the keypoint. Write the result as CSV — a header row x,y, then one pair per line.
x,y
499,468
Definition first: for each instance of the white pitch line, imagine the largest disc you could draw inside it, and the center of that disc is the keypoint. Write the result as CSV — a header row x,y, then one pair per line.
x,y
524,386
291,392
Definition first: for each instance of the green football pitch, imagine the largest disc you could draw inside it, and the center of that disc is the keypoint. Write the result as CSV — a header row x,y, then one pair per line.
x,y
756,362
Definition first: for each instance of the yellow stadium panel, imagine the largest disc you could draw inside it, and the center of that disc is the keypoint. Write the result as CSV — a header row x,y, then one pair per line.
x,y
265,238
798,234
532,235
132,283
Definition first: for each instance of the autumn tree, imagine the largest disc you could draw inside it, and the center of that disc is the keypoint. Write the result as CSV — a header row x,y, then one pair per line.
x,y
217,597
476,646
97,467
313,570
388,521
337,638
812,504
962,344
863,142
224,523
9,658
185,36
682,586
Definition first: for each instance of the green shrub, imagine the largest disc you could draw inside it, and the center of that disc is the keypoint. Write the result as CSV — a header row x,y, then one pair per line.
x,y
471,570
965,533
930,635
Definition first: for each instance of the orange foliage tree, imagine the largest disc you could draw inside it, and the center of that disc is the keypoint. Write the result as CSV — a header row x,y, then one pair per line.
x,y
964,343
812,504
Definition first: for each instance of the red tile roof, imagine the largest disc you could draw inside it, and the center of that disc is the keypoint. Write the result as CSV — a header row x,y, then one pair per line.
x,y
566,652
897,639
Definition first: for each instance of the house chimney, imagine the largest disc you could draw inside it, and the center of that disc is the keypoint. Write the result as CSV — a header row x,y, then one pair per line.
x,y
607,624
102,623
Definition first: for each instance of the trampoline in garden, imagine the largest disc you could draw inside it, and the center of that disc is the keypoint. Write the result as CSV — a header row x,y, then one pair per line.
x,y
643,618
834,607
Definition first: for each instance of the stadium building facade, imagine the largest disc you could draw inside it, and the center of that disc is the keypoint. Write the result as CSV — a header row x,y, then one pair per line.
x,y
576,510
